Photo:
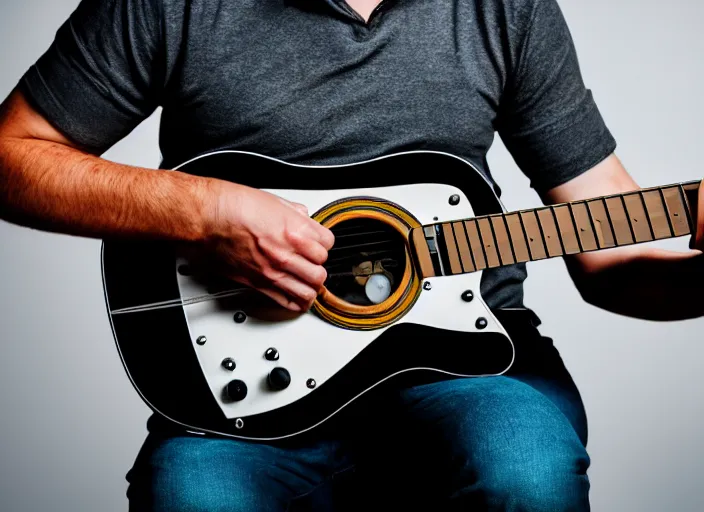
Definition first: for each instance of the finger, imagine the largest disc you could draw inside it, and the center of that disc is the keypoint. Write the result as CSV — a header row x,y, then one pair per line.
x,y
276,295
310,249
325,237
310,233
281,299
318,232
300,292
303,270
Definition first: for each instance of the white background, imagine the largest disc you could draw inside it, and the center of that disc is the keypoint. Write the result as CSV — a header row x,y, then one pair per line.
x,y
71,424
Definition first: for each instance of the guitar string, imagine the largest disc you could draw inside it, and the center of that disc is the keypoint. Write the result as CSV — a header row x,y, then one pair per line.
x,y
236,291
179,302
198,298
360,234
366,244
338,261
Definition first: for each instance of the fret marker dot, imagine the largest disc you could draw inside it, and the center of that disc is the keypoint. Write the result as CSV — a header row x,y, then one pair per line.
x,y
531,239
677,215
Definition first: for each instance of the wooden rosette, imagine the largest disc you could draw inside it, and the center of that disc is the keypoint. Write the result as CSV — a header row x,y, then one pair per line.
x,y
352,316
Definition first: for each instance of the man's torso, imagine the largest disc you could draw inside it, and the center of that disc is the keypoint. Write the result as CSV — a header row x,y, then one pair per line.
x,y
308,82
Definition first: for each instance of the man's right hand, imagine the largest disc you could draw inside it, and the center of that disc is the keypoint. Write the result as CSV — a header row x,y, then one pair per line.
x,y
268,243
254,237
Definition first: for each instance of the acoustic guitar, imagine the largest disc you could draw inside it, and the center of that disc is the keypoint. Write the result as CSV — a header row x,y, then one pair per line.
x,y
218,358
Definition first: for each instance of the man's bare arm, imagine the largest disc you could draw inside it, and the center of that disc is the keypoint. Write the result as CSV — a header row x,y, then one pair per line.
x,y
638,280
48,183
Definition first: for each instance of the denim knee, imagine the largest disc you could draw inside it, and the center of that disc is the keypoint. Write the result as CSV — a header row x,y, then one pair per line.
x,y
520,453
500,444
184,474
551,482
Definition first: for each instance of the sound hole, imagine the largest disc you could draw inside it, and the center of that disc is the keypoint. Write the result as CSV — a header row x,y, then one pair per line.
x,y
366,263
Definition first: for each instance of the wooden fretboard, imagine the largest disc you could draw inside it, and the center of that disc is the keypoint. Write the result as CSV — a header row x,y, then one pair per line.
x,y
491,241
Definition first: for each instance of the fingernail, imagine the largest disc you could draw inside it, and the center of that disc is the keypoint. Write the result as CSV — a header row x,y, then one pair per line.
x,y
295,306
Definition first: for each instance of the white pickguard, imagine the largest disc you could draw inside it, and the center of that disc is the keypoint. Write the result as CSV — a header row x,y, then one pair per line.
x,y
309,347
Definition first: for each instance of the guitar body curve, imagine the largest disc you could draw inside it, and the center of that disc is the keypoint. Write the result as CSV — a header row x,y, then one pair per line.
x,y
183,359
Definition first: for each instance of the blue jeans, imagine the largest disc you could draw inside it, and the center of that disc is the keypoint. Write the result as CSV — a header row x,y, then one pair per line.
x,y
510,443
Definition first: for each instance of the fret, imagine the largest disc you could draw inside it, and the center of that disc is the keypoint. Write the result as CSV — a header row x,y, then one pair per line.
x,y
566,225
645,214
550,233
585,230
452,253
475,243
574,225
630,222
535,237
611,222
619,220
637,216
656,214
502,240
422,253
463,246
518,239
602,224
690,193
667,215
488,242
676,210
559,235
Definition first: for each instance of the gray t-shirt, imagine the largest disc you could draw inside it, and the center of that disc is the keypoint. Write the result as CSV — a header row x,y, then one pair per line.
x,y
308,82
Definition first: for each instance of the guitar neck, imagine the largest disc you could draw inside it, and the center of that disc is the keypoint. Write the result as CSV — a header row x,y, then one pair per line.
x,y
469,245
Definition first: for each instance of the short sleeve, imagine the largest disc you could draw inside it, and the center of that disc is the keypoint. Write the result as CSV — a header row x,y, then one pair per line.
x,y
101,76
548,120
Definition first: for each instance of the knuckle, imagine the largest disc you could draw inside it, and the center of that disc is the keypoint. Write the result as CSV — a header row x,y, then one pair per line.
x,y
281,259
294,233
267,247
309,295
272,275
258,262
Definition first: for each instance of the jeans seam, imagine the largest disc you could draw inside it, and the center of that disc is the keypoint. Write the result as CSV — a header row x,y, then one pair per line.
x,y
327,479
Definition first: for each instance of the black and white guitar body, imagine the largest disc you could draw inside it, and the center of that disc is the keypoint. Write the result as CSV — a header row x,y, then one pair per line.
x,y
225,366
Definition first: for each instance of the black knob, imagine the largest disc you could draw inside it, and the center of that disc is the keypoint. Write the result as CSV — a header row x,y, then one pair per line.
x,y
454,200
236,390
229,364
240,317
271,354
468,296
481,323
279,379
